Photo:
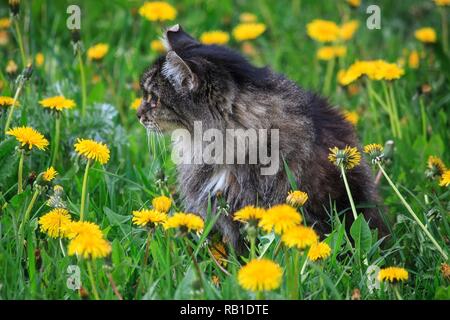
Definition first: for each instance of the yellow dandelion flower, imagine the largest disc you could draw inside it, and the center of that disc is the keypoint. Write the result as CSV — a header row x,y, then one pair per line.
x,y
162,203
354,3
185,222
323,30
248,31
49,174
393,274
39,59
215,37
55,222
92,150
375,151
319,251
346,77
219,253
300,237
89,247
445,179
98,51
157,46
250,214
136,103
442,3
7,101
27,135
349,157
151,217
82,228
247,17
280,218
414,60
351,116
348,29
260,275
392,71
426,35
158,11
330,52
11,67
57,103
436,165
5,23
297,198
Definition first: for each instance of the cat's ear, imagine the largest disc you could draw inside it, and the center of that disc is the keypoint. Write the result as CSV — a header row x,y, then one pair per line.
x,y
176,39
178,72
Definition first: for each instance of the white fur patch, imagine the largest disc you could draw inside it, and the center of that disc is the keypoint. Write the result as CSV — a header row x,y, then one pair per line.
x,y
218,182
173,73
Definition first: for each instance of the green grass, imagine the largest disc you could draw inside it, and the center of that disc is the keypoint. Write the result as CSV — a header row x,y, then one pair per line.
x,y
37,268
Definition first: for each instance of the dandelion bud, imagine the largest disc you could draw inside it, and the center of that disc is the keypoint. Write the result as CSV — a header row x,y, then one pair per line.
x,y
11,68
297,198
14,6
76,41
84,295
27,72
388,151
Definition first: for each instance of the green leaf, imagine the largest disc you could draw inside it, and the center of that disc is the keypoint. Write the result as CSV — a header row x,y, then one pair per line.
x,y
291,177
442,293
362,236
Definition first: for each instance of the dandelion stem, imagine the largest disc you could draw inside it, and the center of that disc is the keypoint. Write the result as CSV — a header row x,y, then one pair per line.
x,y
91,279
390,111
196,266
84,190
260,295
374,109
252,246
57,135
62,247
83,85
424,118
20,172
28,212
395,109
11,110
350,198
397,293
147,247
410,210
296,285
20,43
302,271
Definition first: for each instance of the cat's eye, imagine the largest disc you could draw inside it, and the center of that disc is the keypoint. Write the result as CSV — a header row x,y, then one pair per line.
x,y
154,101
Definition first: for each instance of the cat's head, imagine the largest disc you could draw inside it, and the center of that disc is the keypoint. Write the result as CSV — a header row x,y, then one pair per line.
x,y
193,82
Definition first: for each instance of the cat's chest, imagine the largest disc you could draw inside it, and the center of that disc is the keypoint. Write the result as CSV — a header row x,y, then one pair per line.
x,y
201,182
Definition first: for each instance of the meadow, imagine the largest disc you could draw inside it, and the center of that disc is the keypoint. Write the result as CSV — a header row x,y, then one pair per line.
x,y
89,207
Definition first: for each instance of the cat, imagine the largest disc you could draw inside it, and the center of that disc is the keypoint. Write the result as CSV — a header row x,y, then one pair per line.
x,y
217,86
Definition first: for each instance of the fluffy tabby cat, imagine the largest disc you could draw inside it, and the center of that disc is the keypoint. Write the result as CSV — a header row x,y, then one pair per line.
x,y
215,85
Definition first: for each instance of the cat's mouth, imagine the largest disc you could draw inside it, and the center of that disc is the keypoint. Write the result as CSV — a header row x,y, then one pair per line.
x,y
161,125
